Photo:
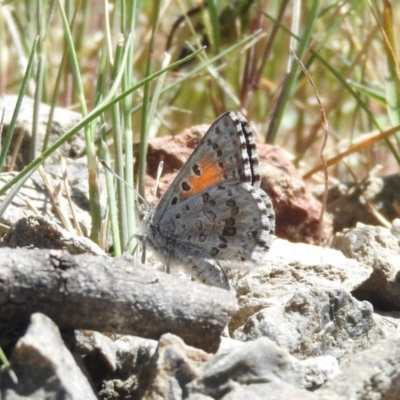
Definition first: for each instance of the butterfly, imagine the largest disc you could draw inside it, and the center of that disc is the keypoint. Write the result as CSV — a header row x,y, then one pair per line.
x,y
214,211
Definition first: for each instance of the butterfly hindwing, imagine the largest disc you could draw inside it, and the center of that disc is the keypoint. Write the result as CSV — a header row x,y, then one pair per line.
x,y
227,221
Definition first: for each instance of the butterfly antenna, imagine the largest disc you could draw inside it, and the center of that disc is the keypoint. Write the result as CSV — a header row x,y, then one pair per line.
x,y
159,172
103,163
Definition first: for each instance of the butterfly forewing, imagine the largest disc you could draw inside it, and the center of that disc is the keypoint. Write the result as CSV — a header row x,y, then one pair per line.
x,y
226,153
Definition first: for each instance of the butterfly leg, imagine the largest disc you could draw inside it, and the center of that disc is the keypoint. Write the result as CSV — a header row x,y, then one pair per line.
x,y
211,274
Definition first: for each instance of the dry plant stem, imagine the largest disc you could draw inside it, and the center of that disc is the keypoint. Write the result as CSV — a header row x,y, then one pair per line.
x,y
387,34
325,139
364,142
16,150
29,204
110,295
251,78
379,217
68,196
54,195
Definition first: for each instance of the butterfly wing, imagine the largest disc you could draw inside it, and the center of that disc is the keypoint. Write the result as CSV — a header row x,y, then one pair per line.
x,y
227,152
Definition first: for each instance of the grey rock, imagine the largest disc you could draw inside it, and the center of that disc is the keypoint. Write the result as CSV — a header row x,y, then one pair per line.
x,y
276,390
133,353
199,396
316,322
63,120
350,202
172,367
291,267
310,373
372,374
313,372
116,389
388,321
178,371
378,248
98,351
395,229
257,363
44,367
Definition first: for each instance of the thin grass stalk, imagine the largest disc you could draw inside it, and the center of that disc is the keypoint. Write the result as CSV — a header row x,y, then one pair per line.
x,y
3,71
322,157
84,8
57,85
112,202
158,88
109,97
361,103
35,138
34,143
118,72
7,366
129,25
94,189
246,42
22,63
392,81
254,80
13,122
101,76
214,25
223,85
108,32
375,93
338,94
291,79
146,103
54,98
117,131
112,214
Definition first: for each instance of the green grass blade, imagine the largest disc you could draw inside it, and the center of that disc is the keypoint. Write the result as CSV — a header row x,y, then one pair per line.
x,y
127,82
392,78
96,112
146,103
291,79
21,94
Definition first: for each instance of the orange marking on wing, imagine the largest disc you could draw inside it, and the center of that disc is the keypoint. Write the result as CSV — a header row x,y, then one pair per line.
x,y
210,175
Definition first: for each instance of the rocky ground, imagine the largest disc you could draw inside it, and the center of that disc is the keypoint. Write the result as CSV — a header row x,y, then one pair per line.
x,y
310,322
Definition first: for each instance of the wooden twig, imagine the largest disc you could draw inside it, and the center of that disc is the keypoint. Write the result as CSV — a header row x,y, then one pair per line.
x,y
110,295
